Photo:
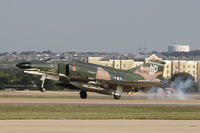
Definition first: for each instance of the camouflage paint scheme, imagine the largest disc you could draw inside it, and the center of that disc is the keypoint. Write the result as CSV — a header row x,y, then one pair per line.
x,y
96,78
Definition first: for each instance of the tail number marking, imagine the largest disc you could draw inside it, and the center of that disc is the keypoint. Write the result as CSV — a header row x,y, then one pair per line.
x,y
153,69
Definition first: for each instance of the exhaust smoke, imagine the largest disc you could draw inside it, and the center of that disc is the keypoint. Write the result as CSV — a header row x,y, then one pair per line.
x,y
176,89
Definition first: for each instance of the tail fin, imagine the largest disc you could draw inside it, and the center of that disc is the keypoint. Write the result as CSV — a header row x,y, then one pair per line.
x,y
150,70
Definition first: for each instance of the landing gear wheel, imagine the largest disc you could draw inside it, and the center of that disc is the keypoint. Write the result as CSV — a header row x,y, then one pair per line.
x,y
42,89
83,94
116,97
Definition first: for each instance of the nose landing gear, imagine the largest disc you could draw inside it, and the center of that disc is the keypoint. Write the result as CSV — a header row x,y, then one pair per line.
x,y
42,89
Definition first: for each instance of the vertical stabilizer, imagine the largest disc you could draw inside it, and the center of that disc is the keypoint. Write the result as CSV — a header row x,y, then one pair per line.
x,y
150,70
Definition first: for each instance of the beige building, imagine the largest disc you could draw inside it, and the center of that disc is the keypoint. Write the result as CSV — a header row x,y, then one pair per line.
x,y
177,66
118,64
171,66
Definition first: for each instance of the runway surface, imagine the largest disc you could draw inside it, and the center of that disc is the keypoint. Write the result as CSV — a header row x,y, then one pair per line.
x,y
99,126
95,126
72,98
54,101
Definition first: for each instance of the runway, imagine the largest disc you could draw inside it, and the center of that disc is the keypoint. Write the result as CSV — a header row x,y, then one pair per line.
x,y
91,126
72,98
99,126
97,102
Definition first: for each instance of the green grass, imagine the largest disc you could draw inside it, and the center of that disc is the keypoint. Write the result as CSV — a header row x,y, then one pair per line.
x,y
98,112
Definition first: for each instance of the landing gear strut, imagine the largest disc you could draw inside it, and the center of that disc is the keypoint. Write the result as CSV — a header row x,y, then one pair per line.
x,y
42,89
118,93
83,94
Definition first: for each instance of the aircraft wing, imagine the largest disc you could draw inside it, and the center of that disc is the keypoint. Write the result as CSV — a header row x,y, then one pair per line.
x,y
130,86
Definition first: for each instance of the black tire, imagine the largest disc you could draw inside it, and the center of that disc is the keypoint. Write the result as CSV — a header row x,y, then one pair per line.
x,y
42,89
83,94
116,97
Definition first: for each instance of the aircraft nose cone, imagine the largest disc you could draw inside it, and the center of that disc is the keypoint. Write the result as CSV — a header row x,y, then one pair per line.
x,y
24,65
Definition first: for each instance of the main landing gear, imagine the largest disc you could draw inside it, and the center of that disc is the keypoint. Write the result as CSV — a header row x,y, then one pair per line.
x,y
118,93
83,94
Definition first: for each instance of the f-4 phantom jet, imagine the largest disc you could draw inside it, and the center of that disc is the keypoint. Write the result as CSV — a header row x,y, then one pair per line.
x,y
89,77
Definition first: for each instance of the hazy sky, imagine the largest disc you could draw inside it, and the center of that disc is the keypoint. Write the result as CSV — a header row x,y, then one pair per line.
x,y
98,25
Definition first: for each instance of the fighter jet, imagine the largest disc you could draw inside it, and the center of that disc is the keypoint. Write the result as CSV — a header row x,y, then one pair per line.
x,y
88,77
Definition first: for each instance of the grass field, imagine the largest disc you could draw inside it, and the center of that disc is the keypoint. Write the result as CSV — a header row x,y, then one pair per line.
x,y
98,112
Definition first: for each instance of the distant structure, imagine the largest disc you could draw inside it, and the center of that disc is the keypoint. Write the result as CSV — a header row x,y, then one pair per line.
x,y
178,48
